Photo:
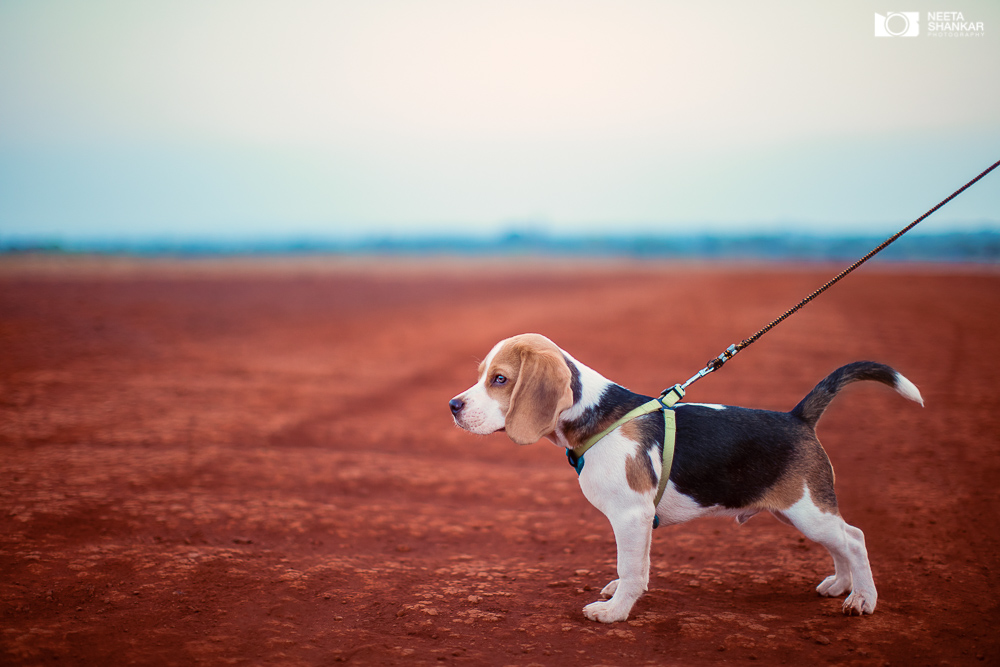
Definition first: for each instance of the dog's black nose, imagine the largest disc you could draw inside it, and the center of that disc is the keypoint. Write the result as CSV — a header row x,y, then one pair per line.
x,y
456,405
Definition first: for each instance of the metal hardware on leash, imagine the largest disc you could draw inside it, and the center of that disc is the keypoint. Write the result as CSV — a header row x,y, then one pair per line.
x,y
732,350
712,365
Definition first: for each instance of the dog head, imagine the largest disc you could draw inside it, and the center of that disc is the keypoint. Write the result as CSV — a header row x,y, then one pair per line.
x,y
524,384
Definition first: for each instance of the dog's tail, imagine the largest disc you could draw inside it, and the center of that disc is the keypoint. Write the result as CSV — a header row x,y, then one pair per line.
x,y
812,407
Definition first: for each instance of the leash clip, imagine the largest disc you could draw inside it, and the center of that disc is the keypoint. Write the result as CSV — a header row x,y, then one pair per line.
x,y
716,364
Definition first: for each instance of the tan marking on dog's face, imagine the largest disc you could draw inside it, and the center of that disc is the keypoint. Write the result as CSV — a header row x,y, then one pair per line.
x,y
537,389
506,364
524,386
481,413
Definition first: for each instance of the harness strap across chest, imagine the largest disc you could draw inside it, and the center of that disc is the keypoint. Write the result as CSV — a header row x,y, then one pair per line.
x,y
665,404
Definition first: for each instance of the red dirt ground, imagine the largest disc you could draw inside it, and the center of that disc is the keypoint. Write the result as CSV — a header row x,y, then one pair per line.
x,y
231,463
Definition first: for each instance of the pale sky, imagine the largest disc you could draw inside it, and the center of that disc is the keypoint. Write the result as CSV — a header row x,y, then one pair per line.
x,y
337,118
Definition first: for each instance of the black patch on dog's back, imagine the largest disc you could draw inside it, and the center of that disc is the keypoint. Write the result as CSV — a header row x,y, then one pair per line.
x,y
731,457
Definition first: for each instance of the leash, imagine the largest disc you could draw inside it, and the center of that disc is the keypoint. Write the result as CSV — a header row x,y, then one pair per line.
x,y
732,350
669,397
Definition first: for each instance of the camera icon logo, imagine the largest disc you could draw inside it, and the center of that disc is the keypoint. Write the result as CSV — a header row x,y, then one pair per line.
x,y
897,24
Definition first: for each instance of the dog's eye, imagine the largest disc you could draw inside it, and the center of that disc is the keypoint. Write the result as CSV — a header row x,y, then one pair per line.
x,y
500,379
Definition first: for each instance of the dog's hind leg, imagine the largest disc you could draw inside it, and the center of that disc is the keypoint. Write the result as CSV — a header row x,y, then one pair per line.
x,y
846,544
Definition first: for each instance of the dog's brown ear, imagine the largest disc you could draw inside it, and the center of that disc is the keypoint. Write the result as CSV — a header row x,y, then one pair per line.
x,y
541,392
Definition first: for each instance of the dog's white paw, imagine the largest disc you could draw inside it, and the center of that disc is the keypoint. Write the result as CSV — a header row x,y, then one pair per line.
x,y
605,611
860,602
834,587
608,591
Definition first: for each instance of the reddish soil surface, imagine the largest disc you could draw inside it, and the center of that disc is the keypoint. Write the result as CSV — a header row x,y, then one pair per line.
x,y
230,463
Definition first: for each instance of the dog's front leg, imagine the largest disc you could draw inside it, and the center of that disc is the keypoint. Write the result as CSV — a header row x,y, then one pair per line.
x,y
633,530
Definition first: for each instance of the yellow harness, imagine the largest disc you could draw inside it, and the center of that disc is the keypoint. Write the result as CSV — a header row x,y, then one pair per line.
x,y
665,404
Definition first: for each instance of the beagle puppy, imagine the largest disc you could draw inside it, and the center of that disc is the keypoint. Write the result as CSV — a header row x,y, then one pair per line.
x,y
728,461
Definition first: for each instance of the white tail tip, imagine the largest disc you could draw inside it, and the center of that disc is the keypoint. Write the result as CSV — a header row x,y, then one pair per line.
x,y
908,389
